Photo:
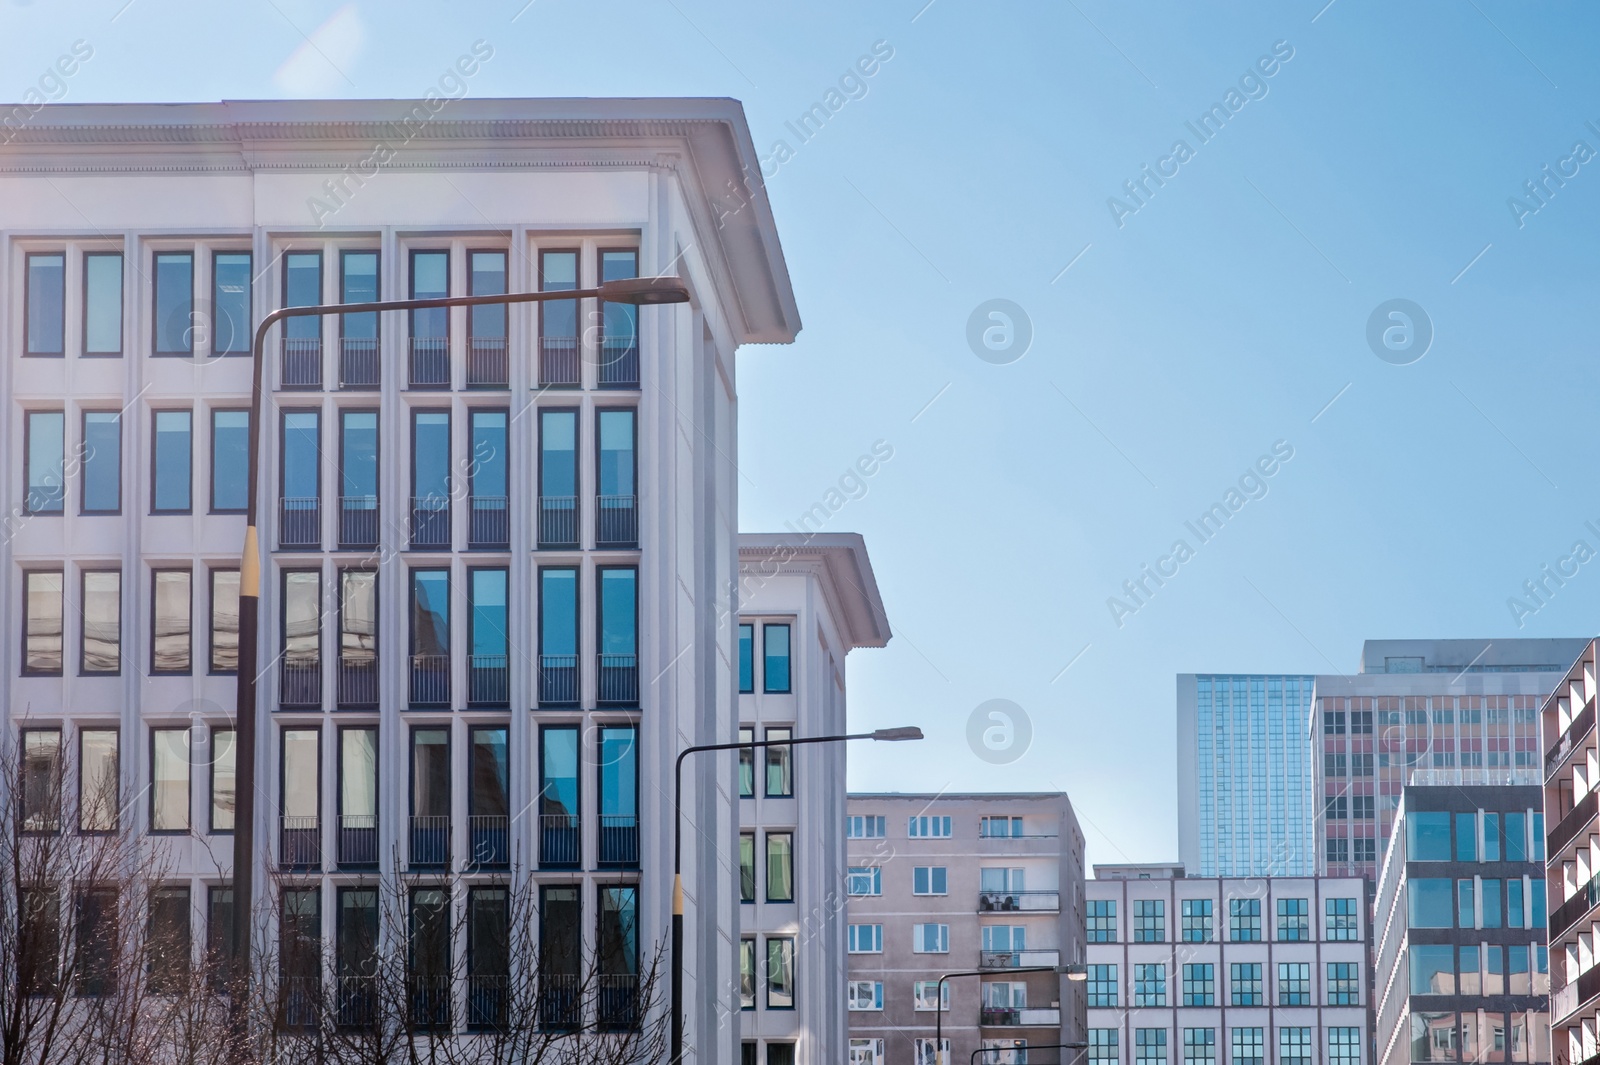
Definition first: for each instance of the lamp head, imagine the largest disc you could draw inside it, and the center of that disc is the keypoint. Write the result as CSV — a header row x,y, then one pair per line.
x,y
1076,973
892,735
643,291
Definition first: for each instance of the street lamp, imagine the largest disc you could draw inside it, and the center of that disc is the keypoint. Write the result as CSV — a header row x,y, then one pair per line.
x,y
638,291
1077,973
887,735
1041,1046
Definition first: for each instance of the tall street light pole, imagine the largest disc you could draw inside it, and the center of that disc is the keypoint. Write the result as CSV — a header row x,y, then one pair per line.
x,y
1073,972
637,291
891,735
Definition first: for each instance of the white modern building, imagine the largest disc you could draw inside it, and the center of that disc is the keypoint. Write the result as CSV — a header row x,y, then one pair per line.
x,y
497,548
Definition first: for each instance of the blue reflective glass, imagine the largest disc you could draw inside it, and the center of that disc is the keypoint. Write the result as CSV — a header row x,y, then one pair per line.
x,y
102,462
559,273
430,455
620,319
558,612
558,453
1491,904
618,771
430,612
359,284
616,452
558,792
1431,902
1428,837
775,658
301,454
102,303
747,665
231,328
174,447
618,625
430,279
47,279
47,433
360,454
489,454
302,287
489,612
488,278
230,446
174,303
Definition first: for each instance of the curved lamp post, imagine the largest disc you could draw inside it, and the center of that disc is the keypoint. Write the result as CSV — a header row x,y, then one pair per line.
x,y
1041,1046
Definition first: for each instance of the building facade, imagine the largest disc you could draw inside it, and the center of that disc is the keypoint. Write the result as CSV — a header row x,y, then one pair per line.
x,y
953,882
1242,970
1462,968
497,546
804,605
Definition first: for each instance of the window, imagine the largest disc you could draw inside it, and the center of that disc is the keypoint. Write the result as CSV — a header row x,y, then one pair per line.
x,y
1338,850
102,303
747,664
619,340
863,826
780,771
46,435
170,940
1344,1046
171,606
430,478
430,796
558,319
1248,1046
1294,1046
1344,984
95,941
1467,907
1196,920
558,796
775,659
1514,917
747,764
1490,904
1150,985
1244,979
1333,765
102,462
1430,901
1361,765
224,759
1427,837
1200,984
302,637
864,880
488,639
41,780
302,287
1102,1049
174,319
1366,850
231,325
558,478
780,866
358,283
430,637
1102,986
41,623
1200,1046
1491,837
171,458
1362,807
224,621
358,796
169,780
924,826
46,275
561,937
928,880
747,974
930,996
1150,1046
864,995
1333,722
1244,920
219,924
1516,849
1003,939
1466,837
488,479
100,639
486,276
923,1051
619,644
430,279
865,939
489,791
1101,915
747,867
616,522
617,949
230,439
1294,922
930,939
99,781
1294,983
1149,920
780,972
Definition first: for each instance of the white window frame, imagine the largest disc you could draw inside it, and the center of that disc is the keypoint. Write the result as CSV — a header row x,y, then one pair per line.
x,y
865,826
873,999
934,879
922,993
929,826
874,932
866,1052
924,1054
919,938
874,871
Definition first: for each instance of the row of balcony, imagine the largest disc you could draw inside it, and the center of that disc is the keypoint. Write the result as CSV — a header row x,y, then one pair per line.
x,y
300,363
429,681
488,525
431,1003
1018,959
1578,818
1019,901
429,838
1575,733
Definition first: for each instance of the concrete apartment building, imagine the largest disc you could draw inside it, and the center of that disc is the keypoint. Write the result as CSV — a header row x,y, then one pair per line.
x,y
551,495
951,882
1241,970
805,603
1462,969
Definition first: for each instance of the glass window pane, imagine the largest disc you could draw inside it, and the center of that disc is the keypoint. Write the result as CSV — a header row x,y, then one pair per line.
x,y
616,452
1431,902
230,459
430,279
558,453
558,792
358,772
747,666
491,767
619,771
99,786
558,272
302,454
173,451
47,443
430,455
1433,969
430,772
430,612
1491,904
558,612
42,650
302,618
169,780
489,454
780,973
102,621
301,772
302,287
489,612
1466,837
775,667
174,303
47,284
358,454
102,303
170,635
780,773
1516,838
102,462
358,616
41,780
618,624
224,759
360,285
780,867
224,620
619,320
1491,837
231,326
1428,837
488,278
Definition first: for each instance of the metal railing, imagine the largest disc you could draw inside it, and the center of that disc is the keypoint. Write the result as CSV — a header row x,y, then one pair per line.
x,y
360,366
1580,728
619,839
358,522
357,682
559,841
430,840
559,362
488,365
558,521
619,679
558,680
358,1002
429,362
430,680
299,1001
1039,901
1018,1016
488,680
429,996
300,846
491,839
490,524
619,362
560,1008
1017,959
430,521
300,522
617,1001
488,998
358,840
300,364
300,683
616,522
1574,822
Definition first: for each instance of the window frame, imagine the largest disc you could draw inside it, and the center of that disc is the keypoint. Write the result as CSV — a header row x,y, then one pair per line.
x,y
84,510
746,650
249,306
284,414
767,840
211,501
767,765
83,621
212,761
85,728
156,350
188,790
122,305
155,486
27,304
28,573
27,462
155,579
766,674
794,993
211,621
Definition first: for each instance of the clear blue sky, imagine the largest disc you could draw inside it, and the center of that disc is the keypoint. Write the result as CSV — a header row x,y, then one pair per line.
x,y
1222,316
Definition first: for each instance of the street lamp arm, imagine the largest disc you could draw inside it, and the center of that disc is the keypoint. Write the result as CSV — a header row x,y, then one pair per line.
x,y
1030,1047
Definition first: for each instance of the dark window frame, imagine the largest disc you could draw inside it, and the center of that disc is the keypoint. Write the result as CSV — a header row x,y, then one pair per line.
x,y
150,806
283,613
211,621
155,578
766,852
766,790
505,255
577,610
411,610
28,573
411,760
472,462
600,609
411,290
577,311
212,500
449,458
283,447
156,255
377,281
746,627
211,781
340,729
122,307
577,769
766,682
83,620
249,306
27,303
58,785
27,462
599,412
83,496
377,454
115,729
284,729
155,435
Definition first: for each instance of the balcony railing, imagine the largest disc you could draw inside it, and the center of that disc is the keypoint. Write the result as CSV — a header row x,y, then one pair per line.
x,y
487,1000
358,682
300,683
488,680
1019,1017
299,1001
430,362
1574,822
430,522
558,521
358,841
558,839
430,840
488,365
301,363
619,362
619,679
359,364
619,839
301,843
617,1001
430,680
1018,959
1038,901
358,522
430,1000
558,680
300,523
1581,726
358,1002
490,527
616,522
560,1008
491,839
558,362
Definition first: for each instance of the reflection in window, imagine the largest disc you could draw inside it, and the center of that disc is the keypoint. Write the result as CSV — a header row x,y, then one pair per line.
x,y
41,622
231,323
775,654
780,769
175,324
46,284
224,759
169,780
102,462
102,303
224,620
173,453
430,612
302,619
230,445
46,446
170,642
99,784
747,666
102,622
41,780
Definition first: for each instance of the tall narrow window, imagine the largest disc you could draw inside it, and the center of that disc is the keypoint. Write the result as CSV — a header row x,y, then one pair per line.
x,y
358,796
617,956
747,656
230,460
619,322
489,672
358,359
619,795
99,780
300,799
358,478
619,635
169,780
102,303
100,640
302,336
560,955
780,866
356,955
41,623
487,364
558,636
747,977
747,764
302,638
231,325
300,480
358,638
47,292
780,767
224,762
775,659
430,327
616,520
174,319
489,957
171,941
224,621
558,795
171,634
489,801
173,461
430,796
558,320
46,432
488,479
430,637
780,972
95,942
558,478
41,780
219,924
430,479
102,462
300,956
747,867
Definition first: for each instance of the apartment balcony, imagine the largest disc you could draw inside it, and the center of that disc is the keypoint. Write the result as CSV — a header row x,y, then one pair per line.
x,y
360,366
429,362
300,523
300,684
357,682
1572,911
490,526
358,523
619,363
430,523
616,522
619,680
1019,901
559,842
558,680
560,1007
430,681
299,1001
488,998
619,839
1573,997
1018,959
1570,740
1578,819
491,840
1019,1017
430,840
358,841
300,844
430,997
559,362
488,681
617,1002
300,363
558,522
488,363
358,1002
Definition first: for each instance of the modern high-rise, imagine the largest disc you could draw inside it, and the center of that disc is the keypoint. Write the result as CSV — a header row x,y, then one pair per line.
x,y
950,883
497,546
